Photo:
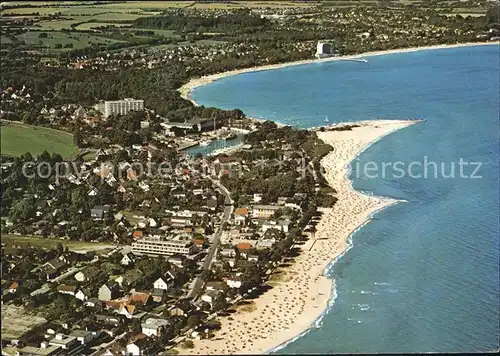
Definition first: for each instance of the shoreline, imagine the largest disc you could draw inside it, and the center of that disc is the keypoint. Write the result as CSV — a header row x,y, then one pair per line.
x,y
187,89
298,303
302,295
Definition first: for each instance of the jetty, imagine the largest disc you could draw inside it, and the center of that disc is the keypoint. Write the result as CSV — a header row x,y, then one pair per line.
x,y
362,60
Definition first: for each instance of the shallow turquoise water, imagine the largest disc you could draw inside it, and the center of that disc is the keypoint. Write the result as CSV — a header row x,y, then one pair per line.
x,y
424,275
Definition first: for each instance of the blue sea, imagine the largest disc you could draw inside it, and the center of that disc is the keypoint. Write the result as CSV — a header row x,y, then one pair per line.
x,y
423,275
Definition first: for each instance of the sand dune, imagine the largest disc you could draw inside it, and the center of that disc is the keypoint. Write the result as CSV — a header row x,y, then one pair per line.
x,y
302,295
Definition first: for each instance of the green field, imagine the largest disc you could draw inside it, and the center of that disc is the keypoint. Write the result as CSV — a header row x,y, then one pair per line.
x,y
78,40
77,11
18,139
137,5
5,39
92,25
214,5
50,243
157,32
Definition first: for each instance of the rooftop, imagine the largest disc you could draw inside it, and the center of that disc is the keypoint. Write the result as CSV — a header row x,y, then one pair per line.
x,y
241,211
153,323
61,339
267,207
31,350
80,333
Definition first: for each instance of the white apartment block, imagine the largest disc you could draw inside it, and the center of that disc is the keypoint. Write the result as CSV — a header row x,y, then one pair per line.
x,y
156,246
122,107
323,49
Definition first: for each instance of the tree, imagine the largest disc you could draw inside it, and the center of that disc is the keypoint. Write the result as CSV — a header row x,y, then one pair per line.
x,y
220,304
23,210
206,275
178,132
188,344
193,321
136,326
78,139
60,249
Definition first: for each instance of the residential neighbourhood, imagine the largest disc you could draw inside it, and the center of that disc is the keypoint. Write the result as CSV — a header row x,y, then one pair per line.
x,y
178,257
129,244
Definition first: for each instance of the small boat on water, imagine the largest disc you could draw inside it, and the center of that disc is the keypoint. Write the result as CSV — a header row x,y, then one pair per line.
x,y
326,119
205,142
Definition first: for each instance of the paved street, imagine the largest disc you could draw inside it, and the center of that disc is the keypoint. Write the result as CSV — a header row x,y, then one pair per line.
x,y
228,210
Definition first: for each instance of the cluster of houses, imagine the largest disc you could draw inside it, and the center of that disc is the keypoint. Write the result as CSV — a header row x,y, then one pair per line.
x,y
58,343
251,229
82,342
151,59
129,178
113,308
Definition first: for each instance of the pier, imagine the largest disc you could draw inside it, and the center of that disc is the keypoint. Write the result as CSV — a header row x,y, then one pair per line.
x,y
362,60
185,145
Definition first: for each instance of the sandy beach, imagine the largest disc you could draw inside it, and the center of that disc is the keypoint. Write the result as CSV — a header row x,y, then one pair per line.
x,y
301,293
194,83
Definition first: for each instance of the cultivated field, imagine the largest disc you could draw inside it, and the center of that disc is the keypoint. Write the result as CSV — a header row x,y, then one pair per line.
x,y
11,241
16,321
54,38
78,17
18,139
91,25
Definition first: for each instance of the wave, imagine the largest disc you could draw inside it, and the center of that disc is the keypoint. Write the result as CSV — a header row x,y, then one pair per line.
x,y
392,290
382,283
319,322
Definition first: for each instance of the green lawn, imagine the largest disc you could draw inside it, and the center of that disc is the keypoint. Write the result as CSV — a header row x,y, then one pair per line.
x,y
18,139
51,243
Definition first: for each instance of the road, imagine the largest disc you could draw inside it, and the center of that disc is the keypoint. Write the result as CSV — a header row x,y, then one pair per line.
x,y
73,270
228,210
103,346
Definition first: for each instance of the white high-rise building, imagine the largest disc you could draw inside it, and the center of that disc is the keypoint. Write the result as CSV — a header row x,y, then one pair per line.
x,y
323,49
122,107
156,246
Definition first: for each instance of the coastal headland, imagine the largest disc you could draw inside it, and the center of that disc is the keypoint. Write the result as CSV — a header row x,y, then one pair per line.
x,y
302,292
